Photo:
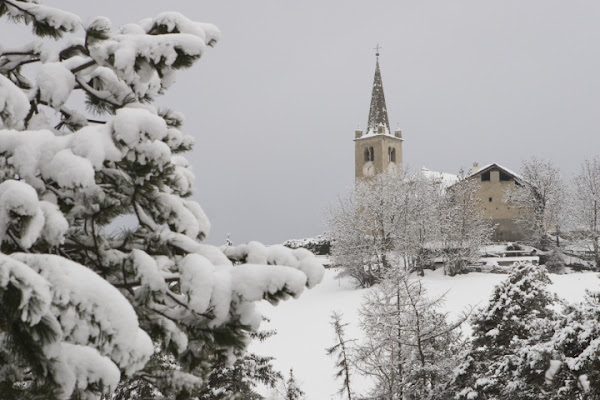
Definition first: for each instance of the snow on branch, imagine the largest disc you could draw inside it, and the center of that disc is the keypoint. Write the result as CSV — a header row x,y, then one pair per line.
x,y
91,310
257,253
25,219
46,21
100,311
14,105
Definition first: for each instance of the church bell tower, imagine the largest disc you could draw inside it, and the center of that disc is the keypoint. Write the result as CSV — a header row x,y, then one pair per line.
x,y
377,150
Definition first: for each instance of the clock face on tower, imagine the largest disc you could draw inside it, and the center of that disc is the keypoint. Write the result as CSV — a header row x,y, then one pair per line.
x,y
368,169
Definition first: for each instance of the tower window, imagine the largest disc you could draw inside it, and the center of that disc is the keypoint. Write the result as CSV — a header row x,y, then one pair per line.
x,y
490,199
369,154
391,154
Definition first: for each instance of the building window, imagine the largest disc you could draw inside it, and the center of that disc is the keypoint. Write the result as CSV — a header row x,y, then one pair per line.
x,y
391,154
490,199
485,176
504,176
369,154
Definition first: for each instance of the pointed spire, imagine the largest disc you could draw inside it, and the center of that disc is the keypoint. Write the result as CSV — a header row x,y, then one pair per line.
x,y
378,117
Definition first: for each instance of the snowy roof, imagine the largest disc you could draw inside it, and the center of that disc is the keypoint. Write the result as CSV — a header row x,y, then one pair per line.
x,y
489,166
445,178
370,134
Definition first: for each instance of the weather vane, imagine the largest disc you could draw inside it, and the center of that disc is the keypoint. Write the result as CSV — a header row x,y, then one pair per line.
x,y
377,49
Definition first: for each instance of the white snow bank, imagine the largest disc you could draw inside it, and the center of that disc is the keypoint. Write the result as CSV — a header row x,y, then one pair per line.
x,y
306,322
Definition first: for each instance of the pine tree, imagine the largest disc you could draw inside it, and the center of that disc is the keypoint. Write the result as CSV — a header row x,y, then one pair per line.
x,y
151,309
574,349
239,381
341,350
508,357
292,389
554,260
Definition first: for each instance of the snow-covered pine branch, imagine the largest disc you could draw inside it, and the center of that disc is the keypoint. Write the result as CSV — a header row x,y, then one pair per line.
x,y
84,310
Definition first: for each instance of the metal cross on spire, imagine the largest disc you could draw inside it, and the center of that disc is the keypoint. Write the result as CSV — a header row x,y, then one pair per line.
x,y
376,48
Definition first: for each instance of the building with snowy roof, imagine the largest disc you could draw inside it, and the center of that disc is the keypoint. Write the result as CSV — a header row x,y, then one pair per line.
x,y
494,182
378,150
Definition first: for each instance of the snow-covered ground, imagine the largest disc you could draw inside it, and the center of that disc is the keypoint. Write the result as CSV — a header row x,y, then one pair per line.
x,y
303,329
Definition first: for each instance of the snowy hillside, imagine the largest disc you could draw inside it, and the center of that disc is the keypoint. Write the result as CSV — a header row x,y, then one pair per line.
x,y
303,329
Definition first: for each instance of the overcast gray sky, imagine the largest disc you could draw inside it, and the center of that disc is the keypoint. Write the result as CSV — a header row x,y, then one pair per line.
x,y
274,106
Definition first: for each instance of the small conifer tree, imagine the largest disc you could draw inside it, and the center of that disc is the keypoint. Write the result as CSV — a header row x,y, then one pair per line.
x,y
342,351
505,360
292,388
574,369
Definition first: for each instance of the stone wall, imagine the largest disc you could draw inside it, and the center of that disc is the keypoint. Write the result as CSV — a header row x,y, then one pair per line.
x,y
380,144
492,193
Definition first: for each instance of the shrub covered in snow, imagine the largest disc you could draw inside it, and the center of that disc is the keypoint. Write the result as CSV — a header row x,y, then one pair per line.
x,y
319,245
84,311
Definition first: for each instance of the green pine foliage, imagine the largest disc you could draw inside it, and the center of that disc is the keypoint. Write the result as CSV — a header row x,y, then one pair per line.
x,y
239,381
575,347
505,359
149,311
41,23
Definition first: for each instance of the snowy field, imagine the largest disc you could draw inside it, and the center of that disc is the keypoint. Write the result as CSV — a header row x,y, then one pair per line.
x,y
303,329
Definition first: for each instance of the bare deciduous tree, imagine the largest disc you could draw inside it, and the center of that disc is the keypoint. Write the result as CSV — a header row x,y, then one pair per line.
x,y
410,345
584,206
405,220
540,196
464,228
364,226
